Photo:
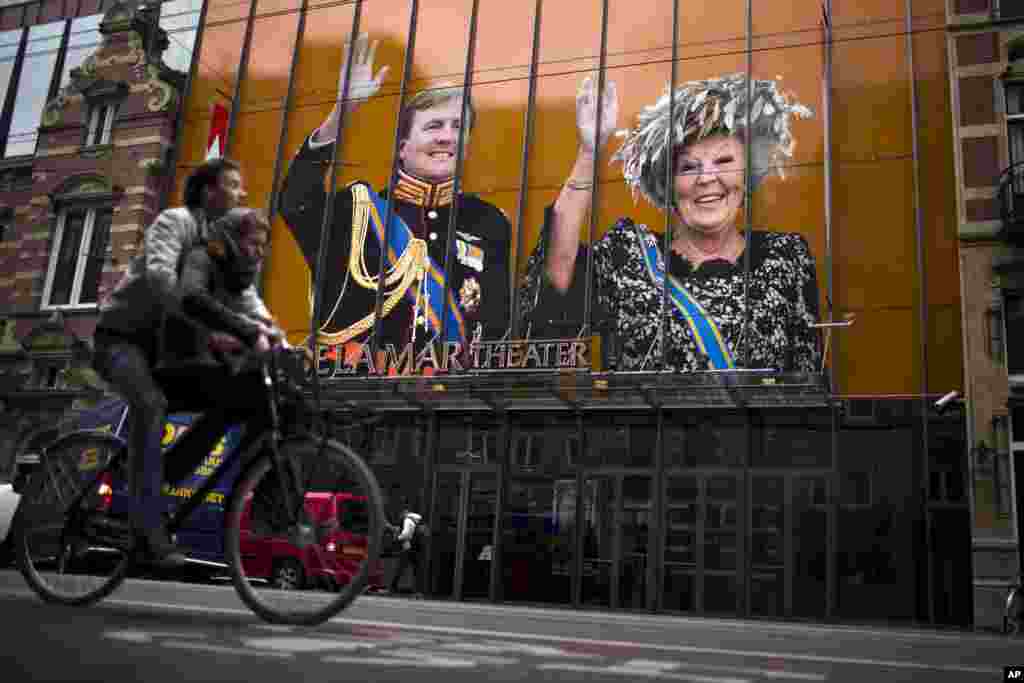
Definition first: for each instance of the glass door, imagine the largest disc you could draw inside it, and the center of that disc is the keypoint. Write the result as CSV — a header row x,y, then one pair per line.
x,y
444,541
481,509
634,525
701,568
599,571
768,545
537,546
465,501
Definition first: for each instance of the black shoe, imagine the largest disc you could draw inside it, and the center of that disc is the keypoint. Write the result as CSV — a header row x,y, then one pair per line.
x,y
161,552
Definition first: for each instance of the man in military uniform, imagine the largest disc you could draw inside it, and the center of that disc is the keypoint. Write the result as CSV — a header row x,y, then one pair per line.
x,y
415,310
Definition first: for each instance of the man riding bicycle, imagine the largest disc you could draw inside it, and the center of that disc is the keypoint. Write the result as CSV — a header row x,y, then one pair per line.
x,y
156,327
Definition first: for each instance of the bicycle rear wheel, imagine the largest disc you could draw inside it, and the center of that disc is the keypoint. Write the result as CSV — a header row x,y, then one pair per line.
x,y
70,546
334,550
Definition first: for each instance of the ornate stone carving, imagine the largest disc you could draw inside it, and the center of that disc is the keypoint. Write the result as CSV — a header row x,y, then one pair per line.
x,y
161,93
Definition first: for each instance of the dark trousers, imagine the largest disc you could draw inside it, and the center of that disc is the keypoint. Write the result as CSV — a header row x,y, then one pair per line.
x,y
223,398
407,558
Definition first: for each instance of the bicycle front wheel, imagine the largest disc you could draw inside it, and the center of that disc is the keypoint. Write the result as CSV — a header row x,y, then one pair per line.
x,y
332,549
71,546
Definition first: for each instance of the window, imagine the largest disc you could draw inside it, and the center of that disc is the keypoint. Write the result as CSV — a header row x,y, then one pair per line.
x,y
1015,134
82,42
1013,319
180,18
1010,8
77,258
40,60
101,120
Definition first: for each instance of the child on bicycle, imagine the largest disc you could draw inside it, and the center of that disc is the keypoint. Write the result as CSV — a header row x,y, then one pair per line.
x,y
146,350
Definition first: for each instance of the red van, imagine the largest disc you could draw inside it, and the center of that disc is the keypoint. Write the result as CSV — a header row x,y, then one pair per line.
x,y
330,563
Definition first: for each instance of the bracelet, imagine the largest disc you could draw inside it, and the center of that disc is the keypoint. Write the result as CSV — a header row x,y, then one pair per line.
x,y
573,184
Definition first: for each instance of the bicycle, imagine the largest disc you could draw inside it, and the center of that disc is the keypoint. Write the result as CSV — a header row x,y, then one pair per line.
x,y
74,544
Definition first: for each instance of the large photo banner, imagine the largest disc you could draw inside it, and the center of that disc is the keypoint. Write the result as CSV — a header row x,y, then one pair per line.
x,y
522,185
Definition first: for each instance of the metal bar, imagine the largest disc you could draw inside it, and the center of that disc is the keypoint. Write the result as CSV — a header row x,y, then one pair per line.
x,y
243,67
410,49
321,252
531,102
922,310
467,83
832,536
428,425
465,491
748,191
618,520
743,503
58,68
670,176
788,556
655,541
501,485
596,173
179,121
698,582
826,107
289,100
577,564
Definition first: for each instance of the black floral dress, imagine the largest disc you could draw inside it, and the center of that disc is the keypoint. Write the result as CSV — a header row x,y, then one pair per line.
x,y
783,296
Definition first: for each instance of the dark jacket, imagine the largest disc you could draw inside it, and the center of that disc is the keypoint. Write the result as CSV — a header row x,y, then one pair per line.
x,y
208,305
479,225
151,291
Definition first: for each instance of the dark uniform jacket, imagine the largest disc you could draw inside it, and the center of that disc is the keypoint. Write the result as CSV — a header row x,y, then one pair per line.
x,y
477,270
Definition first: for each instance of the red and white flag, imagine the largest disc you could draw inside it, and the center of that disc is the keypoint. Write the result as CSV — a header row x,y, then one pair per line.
x,y
218,131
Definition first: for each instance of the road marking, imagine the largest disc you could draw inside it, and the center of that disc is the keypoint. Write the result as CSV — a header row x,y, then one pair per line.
x,y
223,649
432,662
409,653
753,671
301,644
684,649
654,622
276,628
129,636
498,647
641,671
140,636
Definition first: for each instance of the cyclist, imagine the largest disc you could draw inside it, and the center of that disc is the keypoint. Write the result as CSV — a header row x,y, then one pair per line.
x,y
143,330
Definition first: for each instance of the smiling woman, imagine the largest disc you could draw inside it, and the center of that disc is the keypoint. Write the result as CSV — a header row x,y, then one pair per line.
x,y
736,299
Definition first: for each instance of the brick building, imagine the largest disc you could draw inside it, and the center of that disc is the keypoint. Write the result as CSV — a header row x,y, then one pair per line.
x,y
986,49
87,121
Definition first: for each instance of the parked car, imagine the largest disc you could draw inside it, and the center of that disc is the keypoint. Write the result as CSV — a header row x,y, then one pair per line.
x,y
343,523
201,536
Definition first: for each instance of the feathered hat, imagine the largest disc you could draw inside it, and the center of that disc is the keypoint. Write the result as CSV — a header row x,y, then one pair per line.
x,y
704,108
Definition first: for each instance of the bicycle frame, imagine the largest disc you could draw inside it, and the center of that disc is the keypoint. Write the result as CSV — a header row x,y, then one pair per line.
x,y
252,442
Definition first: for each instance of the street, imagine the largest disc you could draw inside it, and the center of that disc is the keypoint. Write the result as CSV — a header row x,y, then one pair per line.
x,y
162,631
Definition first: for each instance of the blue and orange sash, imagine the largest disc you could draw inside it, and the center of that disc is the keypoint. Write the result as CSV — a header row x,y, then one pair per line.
x,y
702,326
399,239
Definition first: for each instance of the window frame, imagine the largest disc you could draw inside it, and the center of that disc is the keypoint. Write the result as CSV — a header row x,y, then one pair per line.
x,y
1014,379
81,258
106,111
